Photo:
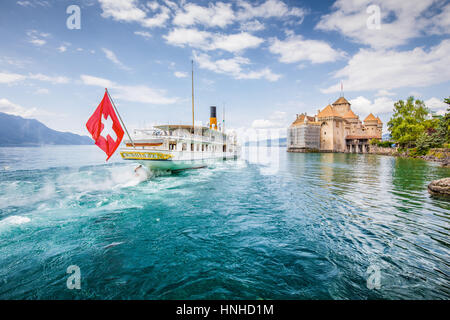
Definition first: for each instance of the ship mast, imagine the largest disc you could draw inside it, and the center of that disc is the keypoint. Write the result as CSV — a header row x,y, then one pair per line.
x,y
192,61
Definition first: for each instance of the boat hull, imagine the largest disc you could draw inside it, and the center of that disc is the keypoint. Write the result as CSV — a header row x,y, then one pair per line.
x,y
167,161
173,165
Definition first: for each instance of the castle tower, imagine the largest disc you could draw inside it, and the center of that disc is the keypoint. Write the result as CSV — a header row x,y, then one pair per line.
x,y
371,124
380,127
341,106
332,130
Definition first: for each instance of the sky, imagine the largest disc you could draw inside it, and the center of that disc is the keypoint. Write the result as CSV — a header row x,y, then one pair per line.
x,y
264,61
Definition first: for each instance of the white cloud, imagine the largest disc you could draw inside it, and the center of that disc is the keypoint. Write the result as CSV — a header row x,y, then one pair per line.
x,y
113,58
296,48
6,106
442,21
276,120
37,38
144,34
233,67
35,3
214,15
42,91
191,37
415,94
52,79
19,63
436,104
9,78
25,3
252,26
132,11
268,9
265,73
180,74
364,106
384,93
207,41
390,69
263,124
170,4
95,81
38,42
400,21
221,14
62,48
236,42
139,93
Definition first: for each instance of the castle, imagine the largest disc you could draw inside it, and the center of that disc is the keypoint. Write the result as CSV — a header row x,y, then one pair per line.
x,y
334,129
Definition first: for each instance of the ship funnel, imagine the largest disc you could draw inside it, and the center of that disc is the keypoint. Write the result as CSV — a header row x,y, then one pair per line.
x,y
213,118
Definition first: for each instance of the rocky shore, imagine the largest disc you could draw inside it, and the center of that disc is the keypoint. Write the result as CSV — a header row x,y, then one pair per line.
x,y
440,188
441,155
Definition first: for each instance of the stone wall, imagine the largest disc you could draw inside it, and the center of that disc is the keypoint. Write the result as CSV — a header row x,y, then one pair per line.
x,y
441,155
383,151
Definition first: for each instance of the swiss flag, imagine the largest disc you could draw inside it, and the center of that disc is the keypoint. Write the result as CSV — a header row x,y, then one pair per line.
x,y
105,128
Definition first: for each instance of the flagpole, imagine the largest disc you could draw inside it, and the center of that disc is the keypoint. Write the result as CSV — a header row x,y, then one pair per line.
x,y
120,118
193,129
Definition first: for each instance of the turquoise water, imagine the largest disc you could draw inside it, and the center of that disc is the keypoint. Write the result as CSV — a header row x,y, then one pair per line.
x,y
270,226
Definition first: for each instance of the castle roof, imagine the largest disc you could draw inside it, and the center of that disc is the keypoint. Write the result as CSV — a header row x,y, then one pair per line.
x,y
370,117
328,111
350,115
379,120
341,100
301,120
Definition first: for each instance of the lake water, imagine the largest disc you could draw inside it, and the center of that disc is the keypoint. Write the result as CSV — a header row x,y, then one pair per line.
x,y
272,225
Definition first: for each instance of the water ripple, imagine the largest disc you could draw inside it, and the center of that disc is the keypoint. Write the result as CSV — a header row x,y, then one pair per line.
x,y
308,231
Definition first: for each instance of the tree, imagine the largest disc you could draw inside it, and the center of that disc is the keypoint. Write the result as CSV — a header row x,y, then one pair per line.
x,y
437,133
443,128
408,121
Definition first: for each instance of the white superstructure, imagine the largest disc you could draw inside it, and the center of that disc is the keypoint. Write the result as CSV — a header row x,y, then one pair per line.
x,y
178,147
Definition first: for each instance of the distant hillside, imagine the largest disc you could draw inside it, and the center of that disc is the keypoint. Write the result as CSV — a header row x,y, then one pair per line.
x,y
17,131
281,142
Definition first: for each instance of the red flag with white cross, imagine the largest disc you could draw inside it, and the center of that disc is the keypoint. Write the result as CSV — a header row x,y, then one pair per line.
x,y
105,128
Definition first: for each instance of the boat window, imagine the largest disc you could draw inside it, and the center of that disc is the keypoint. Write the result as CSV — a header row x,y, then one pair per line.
x,y
184,147
203,147
192,147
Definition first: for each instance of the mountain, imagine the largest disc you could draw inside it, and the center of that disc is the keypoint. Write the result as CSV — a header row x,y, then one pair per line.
x,y
281,142
17,131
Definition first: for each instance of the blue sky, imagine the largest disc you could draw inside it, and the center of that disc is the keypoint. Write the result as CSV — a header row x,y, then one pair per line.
x,y
264,60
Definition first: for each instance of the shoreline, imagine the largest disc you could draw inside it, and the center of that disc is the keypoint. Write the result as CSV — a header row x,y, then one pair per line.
x,y
438,155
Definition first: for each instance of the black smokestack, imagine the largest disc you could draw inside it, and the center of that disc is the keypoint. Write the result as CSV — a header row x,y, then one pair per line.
x,y
212,112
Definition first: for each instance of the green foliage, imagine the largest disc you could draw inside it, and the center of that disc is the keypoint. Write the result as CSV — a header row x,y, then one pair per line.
x,y
382,144
408,121
443,126
415,152
428,140
385,144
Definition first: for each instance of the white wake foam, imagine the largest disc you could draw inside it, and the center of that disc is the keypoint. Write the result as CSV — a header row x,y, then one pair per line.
x,y
14,220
